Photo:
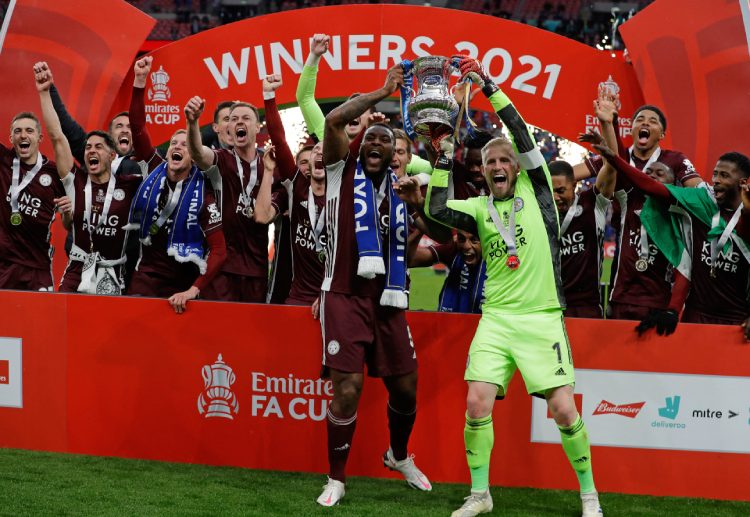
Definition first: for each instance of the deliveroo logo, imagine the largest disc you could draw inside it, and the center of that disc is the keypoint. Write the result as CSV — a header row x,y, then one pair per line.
x,y
671,408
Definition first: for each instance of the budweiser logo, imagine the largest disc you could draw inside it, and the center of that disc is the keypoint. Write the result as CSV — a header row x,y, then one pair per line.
x,y
629,410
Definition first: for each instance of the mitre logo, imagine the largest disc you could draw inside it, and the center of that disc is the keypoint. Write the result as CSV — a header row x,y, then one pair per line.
x,y
628,410
217,398
159,92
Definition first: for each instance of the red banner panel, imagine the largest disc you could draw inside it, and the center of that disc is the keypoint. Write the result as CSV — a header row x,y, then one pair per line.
x,y
237,384
552,79
692,60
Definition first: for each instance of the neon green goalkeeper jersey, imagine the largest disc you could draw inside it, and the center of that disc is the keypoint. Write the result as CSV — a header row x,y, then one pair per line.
x,y
535,285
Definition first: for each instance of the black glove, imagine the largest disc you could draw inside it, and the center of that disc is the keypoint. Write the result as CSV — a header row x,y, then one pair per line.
x,y
665,321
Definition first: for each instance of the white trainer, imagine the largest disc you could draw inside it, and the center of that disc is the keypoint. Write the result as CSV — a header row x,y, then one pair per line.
x,y
408,469
591,506
476,503
333,491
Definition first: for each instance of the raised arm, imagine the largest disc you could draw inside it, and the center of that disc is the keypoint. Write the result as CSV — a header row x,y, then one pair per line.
x,y
529,156
199,153
313,115
73,132
284,157
637,178
265,212
63,155
607,177
142,147
336,145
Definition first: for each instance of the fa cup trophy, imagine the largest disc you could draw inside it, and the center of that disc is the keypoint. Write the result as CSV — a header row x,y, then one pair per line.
x,y
431,110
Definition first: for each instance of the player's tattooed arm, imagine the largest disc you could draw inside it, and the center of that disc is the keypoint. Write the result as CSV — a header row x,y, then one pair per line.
x,y
63,155
199,153
336,143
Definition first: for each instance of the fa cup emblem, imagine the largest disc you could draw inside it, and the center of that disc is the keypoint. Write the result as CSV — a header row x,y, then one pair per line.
x,y
217,398
159,91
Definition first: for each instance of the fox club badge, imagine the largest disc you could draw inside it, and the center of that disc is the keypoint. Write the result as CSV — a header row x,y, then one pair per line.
x,y
45,180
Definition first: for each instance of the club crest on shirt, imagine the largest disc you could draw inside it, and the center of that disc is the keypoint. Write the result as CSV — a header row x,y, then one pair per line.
x,y
45,180
518,204
118,194
333,347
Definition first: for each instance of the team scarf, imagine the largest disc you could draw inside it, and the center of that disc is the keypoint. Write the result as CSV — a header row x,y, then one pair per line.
x,y
186,236
667,229
369,245
469,298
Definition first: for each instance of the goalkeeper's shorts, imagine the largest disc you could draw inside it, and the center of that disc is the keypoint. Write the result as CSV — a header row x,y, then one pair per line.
x,y
535,343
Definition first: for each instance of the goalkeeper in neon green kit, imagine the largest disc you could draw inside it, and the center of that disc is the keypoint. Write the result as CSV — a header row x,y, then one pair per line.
x,y
522,323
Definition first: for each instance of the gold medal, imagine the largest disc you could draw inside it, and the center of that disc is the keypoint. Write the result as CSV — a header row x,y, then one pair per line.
x,y
641,265
15,218
712,274
154,229
322,256
248,211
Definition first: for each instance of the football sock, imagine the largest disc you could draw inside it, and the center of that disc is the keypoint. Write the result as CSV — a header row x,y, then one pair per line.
x,y
400,426
479,436
575,442
340,433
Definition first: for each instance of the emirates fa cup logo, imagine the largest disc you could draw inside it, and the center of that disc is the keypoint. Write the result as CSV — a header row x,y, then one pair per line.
x,y
159,92
612,88
217,398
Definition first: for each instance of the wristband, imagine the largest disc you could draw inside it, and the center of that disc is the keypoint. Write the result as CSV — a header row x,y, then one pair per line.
x,y
444,163
489,88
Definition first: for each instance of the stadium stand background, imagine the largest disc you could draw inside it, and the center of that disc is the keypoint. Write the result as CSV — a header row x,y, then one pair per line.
x,y
585,21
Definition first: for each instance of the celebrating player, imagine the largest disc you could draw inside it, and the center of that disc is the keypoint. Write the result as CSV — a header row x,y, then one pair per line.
x,y
362,305
100,203
31,188
522,325
244,276
583,217
718,278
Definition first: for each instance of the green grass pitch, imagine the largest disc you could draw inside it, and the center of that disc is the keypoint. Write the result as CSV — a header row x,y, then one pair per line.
x,y
37,483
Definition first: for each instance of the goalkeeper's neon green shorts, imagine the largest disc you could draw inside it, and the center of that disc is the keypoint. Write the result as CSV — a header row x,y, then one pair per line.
x,y
535,343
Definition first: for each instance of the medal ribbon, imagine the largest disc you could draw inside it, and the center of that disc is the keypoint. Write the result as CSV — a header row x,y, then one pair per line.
x,y
317,223
569,216
718,244
15,188
508,234
652,159
171,204
105,209
246,195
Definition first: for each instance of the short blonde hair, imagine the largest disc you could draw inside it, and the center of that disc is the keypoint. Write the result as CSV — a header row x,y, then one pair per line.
x,y
499,141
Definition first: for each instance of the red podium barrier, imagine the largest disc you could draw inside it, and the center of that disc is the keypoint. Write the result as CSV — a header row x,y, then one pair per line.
x,y
125,377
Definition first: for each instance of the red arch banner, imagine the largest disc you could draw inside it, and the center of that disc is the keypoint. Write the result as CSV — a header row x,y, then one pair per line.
x,y
552,79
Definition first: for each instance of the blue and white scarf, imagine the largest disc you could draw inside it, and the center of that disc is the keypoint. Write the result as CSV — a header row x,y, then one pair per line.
x,y
369,244
185,235
463,290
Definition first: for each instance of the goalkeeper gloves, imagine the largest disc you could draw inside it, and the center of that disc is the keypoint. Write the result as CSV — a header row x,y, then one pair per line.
x,y
468,66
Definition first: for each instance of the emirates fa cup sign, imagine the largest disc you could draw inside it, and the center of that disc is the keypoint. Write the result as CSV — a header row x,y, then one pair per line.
x,y
217,398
